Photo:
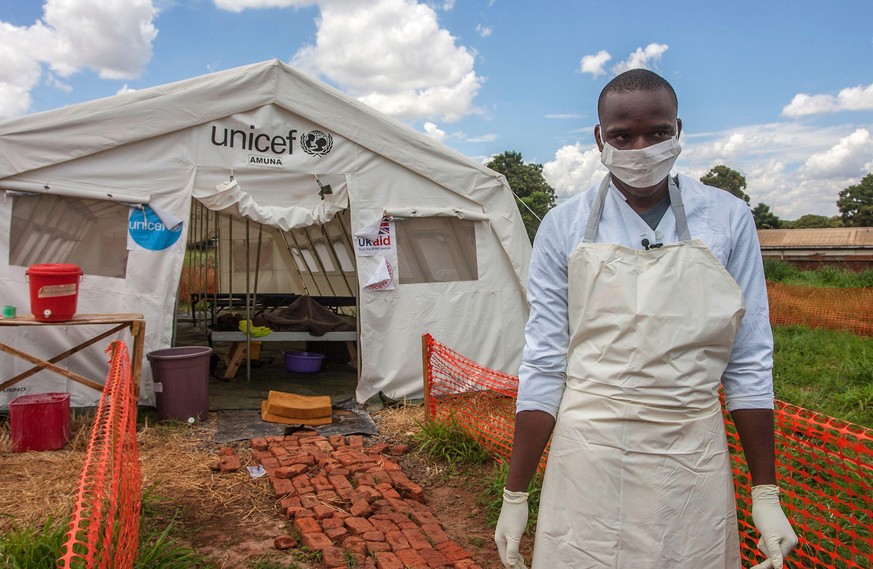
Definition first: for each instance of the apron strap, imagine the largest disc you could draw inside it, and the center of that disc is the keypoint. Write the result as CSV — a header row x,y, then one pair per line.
x,y
678,209
675,203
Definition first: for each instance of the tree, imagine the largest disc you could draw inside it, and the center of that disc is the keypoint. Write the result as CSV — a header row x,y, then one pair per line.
x,y
764,218
727,179
813,221
528,184
856,203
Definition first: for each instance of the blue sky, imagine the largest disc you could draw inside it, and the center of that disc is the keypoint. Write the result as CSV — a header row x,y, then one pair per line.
x,y
781,91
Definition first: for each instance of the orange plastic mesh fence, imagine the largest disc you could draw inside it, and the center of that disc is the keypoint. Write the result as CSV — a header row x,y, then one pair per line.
x,y
849,309
825,465
104,530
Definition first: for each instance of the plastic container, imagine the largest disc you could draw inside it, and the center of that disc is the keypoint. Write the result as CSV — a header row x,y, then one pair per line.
x,y
54,291
181,377
303,362
39,422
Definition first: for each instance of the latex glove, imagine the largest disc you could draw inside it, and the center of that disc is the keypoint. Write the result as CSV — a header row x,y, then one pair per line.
x,y
777,537
510,526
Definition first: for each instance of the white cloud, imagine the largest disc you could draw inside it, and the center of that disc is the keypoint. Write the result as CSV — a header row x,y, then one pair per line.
x,y
240,5
112,37
393,55
482,138
845,159
448,5
434,132
642,58
564,116
484,31
857,98
593,64
575,168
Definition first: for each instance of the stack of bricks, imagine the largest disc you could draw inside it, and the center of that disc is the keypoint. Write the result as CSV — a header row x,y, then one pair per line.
x,y
355,503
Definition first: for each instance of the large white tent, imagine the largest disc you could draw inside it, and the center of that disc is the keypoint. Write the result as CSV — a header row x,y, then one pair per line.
x,y
353,202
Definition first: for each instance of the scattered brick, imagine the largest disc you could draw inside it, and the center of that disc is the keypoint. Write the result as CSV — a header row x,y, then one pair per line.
x,y
321,511
416,539
466,564
377,546
356,441
374,536
434,558
281,486
411,559
396,540
387,560
359,526
337,441
316,540
259,444
383,525
284,542
333,557
424,518
435,533
387,491
360,508
291,471
378,448
336,534
331,523
453,551
340,482
307,525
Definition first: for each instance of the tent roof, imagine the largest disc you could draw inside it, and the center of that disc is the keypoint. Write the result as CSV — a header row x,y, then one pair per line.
x,y
52,137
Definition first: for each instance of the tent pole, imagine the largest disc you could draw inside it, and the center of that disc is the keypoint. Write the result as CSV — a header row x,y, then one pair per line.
x,y
308,268
248,309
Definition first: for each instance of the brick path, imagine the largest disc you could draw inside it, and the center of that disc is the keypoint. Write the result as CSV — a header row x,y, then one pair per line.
x,y
352,502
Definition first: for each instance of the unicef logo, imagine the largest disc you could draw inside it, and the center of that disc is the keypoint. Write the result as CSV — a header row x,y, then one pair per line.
x,y
149,232
316,143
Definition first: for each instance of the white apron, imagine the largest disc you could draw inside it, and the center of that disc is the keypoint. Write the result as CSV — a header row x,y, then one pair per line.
x,y
638,474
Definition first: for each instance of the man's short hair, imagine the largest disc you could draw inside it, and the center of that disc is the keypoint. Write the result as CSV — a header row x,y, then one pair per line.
x,y
636,80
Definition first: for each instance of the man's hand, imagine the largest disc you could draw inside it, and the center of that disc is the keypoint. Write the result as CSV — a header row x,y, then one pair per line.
x,y
777,537
510,527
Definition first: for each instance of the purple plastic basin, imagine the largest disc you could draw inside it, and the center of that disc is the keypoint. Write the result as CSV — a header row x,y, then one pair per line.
x,y
303,362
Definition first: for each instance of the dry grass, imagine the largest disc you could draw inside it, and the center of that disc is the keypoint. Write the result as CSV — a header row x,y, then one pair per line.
x,y
175,462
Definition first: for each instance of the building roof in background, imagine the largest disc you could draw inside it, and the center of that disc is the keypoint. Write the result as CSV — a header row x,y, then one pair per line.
x,y
829,238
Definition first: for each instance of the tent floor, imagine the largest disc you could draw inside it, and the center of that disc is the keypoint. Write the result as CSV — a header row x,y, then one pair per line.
x,y
338,380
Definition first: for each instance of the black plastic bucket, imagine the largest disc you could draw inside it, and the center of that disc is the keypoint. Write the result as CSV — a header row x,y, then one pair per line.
x,y
181,378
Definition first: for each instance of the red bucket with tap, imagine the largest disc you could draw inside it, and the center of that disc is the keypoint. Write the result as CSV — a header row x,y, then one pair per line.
x,y
54,291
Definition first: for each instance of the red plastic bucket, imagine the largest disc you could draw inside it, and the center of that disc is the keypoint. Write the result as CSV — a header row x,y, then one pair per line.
x,y
39,422
54,291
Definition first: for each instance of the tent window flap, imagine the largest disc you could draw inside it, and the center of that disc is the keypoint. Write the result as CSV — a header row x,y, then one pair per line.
x,y
55,229
436,249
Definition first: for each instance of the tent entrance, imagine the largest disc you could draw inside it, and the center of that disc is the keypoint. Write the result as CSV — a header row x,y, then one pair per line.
x,y
253,271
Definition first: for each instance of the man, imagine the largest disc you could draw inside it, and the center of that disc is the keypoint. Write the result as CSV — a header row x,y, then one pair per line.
x,y
646,292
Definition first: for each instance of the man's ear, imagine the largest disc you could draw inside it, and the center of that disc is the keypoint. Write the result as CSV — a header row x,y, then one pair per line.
x,y
597,139
678,128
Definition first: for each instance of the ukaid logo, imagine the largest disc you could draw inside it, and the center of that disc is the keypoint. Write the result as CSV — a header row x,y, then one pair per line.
x,y
380,243
146,230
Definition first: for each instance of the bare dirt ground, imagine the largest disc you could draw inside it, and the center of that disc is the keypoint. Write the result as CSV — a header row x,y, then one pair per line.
x,y
232,518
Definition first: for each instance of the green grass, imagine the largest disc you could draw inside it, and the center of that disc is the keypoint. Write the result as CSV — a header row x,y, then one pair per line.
x,y
270,562
825,371
450,442
40,547
826,277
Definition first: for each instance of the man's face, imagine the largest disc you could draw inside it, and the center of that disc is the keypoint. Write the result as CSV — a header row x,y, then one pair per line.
x,y
630,120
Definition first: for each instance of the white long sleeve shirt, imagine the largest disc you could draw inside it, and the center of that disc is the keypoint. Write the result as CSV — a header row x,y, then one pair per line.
x,y
723,222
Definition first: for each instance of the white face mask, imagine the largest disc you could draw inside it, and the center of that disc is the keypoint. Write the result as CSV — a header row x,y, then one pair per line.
x,y
642,168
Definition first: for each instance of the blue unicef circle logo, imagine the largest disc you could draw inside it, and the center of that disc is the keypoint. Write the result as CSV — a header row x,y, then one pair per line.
x,y
149,232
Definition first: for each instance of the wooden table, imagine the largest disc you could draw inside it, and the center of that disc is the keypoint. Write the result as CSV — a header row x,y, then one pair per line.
x,y
135,322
